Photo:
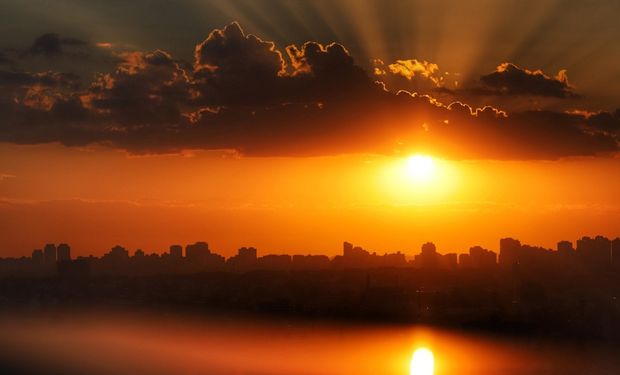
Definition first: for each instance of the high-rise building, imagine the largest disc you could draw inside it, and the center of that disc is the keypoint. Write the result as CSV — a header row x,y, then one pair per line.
x,y
428,257
176,251
347,247
117,253
509,249
197,251
429,248
245,259
247,253
595,252
354,256
63,252
37,256
49,253
482,258
565,247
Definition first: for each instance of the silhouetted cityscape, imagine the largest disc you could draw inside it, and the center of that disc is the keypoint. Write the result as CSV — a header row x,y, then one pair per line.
x,y
571,291
593,254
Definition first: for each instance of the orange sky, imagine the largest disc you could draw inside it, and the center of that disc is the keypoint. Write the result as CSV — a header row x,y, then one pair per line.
x,y
288,125
95,198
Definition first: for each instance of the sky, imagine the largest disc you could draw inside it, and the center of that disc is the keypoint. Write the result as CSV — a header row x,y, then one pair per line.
x,y
291,125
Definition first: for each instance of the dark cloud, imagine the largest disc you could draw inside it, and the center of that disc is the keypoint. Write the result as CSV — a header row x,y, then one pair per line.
x,y
234,68
52,44
147,89
327,72
242,93
51,51
231,52
49,79
509,79
35,90
63,120
605,121
547,134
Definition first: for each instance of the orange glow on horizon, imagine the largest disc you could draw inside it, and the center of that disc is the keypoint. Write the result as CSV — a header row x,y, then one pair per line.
x,y
63,196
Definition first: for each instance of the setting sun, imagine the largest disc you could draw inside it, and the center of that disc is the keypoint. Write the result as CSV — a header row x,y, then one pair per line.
x,y
420,168
418,179
422,362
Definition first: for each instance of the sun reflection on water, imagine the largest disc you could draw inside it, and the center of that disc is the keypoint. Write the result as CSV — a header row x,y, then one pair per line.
x,y
422,362
208,345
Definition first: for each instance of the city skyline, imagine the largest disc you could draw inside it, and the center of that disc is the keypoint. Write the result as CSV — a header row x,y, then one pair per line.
x,y
600,250
404,250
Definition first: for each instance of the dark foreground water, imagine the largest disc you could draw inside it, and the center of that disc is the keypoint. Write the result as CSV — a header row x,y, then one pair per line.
x,y
115,343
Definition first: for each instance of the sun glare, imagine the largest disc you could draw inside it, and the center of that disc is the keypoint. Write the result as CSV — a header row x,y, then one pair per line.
x,y
418,179
420,168
422,362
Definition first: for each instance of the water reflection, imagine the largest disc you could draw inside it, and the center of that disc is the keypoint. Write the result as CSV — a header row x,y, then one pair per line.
x,y
129,344
422,362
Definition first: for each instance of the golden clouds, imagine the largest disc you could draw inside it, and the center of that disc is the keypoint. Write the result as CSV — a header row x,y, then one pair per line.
x,y
411,68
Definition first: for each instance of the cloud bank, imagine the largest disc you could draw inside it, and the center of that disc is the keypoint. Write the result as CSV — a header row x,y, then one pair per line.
x,y
246,94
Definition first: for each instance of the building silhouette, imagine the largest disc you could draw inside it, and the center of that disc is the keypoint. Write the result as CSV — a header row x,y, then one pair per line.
x,y
197,252
509,252
63,252
176,251
246,259
595,252
37,257
49,254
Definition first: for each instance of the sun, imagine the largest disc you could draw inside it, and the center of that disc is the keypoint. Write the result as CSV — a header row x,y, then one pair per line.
x,y
420,168
418,179
422,362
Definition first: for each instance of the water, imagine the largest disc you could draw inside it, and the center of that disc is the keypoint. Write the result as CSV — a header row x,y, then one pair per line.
x,y
114,343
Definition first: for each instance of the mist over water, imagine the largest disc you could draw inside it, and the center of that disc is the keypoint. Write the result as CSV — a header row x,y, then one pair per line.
x,y
131,343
